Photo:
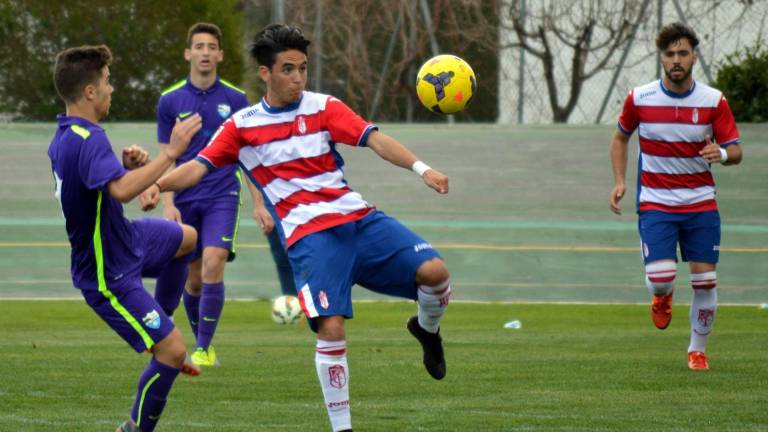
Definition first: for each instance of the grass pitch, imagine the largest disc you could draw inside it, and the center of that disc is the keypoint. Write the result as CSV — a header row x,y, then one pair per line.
x,y
570,368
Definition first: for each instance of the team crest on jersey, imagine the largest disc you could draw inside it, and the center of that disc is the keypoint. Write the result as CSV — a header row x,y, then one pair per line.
x,y
224,110
337,376
152,320
706,316
302,125
695,116
323,299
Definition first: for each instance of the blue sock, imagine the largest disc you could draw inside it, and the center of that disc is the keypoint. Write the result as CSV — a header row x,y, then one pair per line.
x,y
211,304
154,385
284,270
192,305
170,284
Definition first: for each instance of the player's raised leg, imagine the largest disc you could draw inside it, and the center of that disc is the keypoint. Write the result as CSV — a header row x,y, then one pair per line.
x,y
660,281
434,292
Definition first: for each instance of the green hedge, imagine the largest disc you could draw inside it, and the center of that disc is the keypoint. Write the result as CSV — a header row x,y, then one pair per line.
x,y
743,78
147,39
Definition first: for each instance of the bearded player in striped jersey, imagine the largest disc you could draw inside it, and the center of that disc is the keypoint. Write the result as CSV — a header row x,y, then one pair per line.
x,y
286,143
684,127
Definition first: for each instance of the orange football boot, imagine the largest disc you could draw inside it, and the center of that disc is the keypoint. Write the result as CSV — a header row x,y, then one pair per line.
x,y
661,310
698,361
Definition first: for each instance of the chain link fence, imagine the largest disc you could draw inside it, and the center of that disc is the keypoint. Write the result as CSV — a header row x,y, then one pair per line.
x,y
723,27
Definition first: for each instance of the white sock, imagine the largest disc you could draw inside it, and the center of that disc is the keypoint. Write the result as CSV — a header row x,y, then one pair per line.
x,y
660,277
433,300
333,373
703,309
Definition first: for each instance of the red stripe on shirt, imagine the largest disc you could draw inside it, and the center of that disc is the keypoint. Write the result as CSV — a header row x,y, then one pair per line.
x,y
265,134
680,115
324,222
285,205
707,205
670,149
298,168
676,181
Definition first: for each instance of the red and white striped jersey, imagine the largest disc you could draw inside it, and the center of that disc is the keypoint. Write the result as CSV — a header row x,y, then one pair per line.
x,y
672,177
289,153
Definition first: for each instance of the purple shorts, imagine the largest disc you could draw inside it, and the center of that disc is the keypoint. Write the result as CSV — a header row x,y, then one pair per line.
x,y
125,305
216,222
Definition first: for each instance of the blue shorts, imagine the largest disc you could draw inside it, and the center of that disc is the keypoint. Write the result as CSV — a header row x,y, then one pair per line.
x,y
376,252
216,222
125,305
697,233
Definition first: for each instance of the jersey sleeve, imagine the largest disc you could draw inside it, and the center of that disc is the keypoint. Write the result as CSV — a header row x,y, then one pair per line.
x,y
98,164
224,147
724,125
344,125
628,120
166,119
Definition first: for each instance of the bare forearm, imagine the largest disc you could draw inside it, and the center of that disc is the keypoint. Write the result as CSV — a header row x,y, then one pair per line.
x,y
734,154
619,152
391,150
183,176
258,200
136,181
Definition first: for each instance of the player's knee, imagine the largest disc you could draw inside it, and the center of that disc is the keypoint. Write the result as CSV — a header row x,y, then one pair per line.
x,y
660,277
330,328
214,260
188,240
171,350
432,273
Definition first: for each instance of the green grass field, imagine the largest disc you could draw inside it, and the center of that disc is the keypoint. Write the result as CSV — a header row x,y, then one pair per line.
x,y
570,368
526,221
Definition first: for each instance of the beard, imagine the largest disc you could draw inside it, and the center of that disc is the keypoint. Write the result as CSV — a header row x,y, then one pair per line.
x,y
686,74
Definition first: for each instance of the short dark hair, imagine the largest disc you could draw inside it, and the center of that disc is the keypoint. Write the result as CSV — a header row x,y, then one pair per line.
x,y
274,39
202,27
77,67
674,32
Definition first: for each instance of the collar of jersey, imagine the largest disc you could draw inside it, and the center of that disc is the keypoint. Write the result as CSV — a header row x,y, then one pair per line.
x,y
275,110
196,90
65,120
672,94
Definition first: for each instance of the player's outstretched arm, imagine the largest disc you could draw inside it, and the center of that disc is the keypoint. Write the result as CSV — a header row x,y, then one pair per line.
x,y
136,181
618,150
393,151
182,177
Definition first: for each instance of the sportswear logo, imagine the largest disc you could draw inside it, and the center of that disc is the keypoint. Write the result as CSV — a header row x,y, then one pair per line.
x,y
337,376
226,239
224,110
323,299
152,320
205,318
184,114
421,246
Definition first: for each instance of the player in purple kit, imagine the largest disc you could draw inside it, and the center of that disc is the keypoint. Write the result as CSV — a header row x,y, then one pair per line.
x,y
110,254
334,238
213,206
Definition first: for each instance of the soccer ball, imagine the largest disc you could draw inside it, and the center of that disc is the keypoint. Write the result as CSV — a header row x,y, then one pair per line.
x,y
286,310
445,84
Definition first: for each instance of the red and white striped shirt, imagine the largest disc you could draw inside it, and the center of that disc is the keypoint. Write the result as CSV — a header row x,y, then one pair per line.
x,y
288,152
672,177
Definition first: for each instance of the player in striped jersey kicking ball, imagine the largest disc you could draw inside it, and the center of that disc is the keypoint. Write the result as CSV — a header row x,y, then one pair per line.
x,y
684,127
335,239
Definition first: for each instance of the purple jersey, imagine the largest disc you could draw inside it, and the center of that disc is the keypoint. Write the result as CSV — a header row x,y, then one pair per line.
x,y
214,105
103,241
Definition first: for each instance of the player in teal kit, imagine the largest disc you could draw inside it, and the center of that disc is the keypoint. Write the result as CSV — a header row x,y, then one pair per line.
x,y
110,254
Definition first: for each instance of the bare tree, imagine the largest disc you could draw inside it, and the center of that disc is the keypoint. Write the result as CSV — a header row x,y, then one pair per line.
x,y
593,30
